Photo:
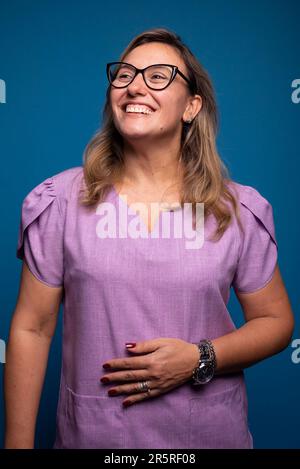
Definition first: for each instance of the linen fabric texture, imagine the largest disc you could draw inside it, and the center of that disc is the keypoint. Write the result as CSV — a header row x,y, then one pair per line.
x,y
119,290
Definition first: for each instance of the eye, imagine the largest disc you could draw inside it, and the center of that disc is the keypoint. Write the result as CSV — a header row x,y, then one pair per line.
x,y
124,75
157,75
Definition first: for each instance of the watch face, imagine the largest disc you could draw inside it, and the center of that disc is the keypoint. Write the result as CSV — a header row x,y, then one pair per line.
x,y
204,373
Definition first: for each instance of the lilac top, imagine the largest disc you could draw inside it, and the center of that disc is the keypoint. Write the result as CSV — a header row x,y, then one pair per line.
x,y
118,290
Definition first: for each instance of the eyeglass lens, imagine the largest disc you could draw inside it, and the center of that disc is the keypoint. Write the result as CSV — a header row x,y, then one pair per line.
x,y
156,76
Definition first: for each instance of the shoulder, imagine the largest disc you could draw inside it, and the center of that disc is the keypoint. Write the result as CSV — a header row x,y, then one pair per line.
x,y
246,194
253,207
66,181
250,199
57,186
54,191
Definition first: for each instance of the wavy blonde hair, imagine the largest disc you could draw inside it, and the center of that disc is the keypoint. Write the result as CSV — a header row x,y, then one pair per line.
x,y
204,175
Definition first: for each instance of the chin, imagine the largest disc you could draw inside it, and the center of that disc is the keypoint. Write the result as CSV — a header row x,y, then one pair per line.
x,y
134,136
133,132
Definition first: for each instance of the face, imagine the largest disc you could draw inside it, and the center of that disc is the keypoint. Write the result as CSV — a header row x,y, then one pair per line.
x,y
170,106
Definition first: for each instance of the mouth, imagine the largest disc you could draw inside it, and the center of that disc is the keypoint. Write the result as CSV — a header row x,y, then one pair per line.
x,y
137,110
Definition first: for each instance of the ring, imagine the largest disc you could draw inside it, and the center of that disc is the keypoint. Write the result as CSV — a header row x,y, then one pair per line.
x,y
143,386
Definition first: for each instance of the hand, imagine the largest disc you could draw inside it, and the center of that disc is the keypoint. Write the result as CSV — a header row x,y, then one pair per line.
x,y
164,363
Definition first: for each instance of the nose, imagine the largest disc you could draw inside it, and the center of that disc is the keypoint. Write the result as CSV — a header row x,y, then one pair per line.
x,y
137,84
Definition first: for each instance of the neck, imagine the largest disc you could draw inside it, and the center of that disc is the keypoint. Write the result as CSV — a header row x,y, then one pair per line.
x,y
154,166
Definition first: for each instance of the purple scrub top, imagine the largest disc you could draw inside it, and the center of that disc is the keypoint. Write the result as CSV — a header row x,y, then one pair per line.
x,y
119,290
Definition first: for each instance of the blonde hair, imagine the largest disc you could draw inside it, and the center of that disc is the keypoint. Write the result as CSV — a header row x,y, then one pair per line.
x,y
205,178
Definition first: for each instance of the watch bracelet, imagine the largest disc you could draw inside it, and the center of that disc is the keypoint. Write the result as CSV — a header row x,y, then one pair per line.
x,y
212,353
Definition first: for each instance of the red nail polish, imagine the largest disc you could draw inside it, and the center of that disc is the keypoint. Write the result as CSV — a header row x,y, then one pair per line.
x,y
104,380
112,392
130,344
106,366
127,403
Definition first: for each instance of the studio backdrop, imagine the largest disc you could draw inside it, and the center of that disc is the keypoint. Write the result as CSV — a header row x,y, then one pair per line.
x,y
52,89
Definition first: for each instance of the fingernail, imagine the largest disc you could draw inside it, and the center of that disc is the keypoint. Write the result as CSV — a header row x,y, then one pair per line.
x,y
130,344
127,403
112,392
106,366
104,380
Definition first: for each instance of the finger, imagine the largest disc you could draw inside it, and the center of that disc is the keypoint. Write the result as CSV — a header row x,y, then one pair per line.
x,y
146,346
125,376
135,398
136,363
132,388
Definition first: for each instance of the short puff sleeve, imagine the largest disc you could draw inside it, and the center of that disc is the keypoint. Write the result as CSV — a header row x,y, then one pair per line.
x,y
257,246
40,240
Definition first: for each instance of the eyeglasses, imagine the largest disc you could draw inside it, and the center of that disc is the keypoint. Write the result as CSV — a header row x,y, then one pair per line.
x,y
156,77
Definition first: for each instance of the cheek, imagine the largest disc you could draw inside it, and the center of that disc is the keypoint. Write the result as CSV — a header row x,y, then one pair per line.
x,y
173,105
115,98
171,114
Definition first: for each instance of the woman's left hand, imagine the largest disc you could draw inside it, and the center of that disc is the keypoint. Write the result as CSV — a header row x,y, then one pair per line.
x,y
163,363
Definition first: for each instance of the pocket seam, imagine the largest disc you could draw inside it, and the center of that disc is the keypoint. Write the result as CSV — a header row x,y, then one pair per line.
x,y
241,416
218,393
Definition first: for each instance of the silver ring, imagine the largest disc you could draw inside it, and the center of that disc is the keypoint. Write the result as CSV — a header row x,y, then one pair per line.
x,y
144,386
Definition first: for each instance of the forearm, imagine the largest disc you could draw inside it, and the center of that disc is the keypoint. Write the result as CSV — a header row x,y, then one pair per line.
x,y
254,341
26,361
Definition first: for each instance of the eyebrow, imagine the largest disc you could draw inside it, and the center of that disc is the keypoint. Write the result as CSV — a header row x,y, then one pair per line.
x,y
157,63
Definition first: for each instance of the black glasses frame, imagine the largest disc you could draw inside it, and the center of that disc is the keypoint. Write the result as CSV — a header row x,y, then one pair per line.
x,y
175,71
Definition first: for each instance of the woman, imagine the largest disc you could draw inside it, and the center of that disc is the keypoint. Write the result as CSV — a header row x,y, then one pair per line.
x,y
151,357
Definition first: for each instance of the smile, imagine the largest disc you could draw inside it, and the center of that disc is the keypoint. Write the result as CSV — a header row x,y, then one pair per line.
x,y
138,109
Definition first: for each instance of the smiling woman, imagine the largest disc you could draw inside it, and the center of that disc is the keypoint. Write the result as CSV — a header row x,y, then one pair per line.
x,y
151,311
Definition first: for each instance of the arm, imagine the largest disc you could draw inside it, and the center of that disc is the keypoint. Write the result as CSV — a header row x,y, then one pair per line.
x,y
32,328
267,331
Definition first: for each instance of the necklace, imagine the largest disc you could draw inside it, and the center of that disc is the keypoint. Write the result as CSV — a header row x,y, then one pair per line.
x,y
164,206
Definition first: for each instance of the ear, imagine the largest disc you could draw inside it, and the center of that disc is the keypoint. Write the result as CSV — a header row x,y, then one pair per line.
x,y
193,108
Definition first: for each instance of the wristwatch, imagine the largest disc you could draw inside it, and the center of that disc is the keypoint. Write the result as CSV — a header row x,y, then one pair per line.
x,y
205,370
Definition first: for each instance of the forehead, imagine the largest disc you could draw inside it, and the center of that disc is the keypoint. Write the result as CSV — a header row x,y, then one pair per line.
x,y
154,53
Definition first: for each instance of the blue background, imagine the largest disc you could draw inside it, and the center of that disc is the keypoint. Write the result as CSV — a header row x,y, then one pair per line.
x,y
52,58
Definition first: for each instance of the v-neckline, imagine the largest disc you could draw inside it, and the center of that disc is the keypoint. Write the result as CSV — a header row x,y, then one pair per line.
x,y
156,221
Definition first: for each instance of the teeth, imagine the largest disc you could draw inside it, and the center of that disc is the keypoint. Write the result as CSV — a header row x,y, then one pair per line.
x,y
141,109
